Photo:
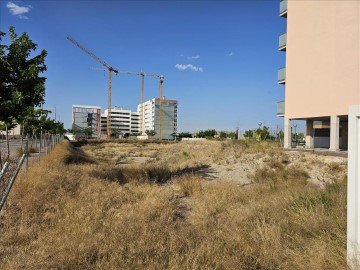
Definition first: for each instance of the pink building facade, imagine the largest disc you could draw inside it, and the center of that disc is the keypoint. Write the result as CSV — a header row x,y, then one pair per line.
x,y
322,70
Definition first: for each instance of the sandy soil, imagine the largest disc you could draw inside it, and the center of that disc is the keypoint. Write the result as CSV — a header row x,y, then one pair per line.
x,y
221,160
317,166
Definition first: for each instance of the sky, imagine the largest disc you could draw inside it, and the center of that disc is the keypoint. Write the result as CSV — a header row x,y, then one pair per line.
x,y
219,58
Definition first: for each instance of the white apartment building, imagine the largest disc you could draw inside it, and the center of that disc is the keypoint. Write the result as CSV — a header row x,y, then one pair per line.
x,y
151,117
126,121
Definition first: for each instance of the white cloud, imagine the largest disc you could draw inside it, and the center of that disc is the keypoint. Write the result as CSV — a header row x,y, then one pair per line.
x,y
18,10
193,57
188,66
230,54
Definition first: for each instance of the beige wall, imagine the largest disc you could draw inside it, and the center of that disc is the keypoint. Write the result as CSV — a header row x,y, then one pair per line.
x,y
322,58
12,132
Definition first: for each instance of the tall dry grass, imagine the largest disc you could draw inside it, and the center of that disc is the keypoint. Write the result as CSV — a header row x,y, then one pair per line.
x,y
67,216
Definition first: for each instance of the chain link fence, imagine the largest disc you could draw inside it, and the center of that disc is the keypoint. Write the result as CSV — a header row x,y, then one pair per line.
x,y
10,169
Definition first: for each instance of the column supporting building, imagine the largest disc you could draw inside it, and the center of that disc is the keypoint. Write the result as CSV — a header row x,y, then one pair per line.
x,y
309,139
334,133
287,133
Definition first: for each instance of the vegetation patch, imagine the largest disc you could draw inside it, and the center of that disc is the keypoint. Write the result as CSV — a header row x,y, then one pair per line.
x,y
94,214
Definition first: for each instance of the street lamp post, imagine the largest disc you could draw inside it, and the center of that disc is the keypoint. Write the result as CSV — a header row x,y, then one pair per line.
x,y
260,124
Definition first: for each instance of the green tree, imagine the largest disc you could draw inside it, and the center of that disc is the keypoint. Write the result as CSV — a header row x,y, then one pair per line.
x,y
88,131
150,132
299,136
6,126
21,86
222,135
232,135
210,133
248,133
280,135
262,134
74,130
115,132
185,135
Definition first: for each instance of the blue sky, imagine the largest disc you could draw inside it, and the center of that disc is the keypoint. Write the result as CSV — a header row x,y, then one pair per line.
x,y
219,58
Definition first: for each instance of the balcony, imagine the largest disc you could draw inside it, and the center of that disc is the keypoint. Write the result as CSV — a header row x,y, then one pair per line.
x,y
283,8
281,75
280,108
282,42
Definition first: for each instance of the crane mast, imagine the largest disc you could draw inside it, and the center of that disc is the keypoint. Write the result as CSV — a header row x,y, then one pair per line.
x,y
161,80
110,70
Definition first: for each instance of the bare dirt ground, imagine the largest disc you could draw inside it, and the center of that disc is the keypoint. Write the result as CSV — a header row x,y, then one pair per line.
x,y
223,161
240,170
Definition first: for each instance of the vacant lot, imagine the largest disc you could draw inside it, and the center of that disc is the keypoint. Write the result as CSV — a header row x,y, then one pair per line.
x,y
189,205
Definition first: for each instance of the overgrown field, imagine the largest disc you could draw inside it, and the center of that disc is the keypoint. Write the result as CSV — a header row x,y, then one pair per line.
x,y
187,205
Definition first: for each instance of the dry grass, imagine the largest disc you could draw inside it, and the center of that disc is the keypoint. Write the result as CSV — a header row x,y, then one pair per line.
x,y
79,210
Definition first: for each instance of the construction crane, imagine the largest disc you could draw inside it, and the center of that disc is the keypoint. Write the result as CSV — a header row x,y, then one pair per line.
x,y
143,74
110,71
161,81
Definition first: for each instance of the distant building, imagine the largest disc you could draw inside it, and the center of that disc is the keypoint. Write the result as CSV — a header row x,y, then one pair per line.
x,y
125,122
16,131
321,77
122,120
151,117
84,116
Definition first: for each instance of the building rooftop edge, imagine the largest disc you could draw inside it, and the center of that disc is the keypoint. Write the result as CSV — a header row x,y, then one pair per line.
x,y
86,106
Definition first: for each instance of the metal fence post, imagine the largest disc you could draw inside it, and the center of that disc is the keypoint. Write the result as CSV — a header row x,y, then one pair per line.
x,y
46,144
3,170
12,180
27,157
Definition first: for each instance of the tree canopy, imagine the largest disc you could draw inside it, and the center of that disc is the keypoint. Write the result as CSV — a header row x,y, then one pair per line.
x,y
210,133
21,86
150,132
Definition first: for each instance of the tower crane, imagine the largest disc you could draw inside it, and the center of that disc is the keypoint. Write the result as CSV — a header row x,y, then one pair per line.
x,y
110,71
161,80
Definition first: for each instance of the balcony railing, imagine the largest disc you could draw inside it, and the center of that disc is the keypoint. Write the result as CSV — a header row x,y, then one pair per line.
x,y
281,75
282,42
283,8
280,108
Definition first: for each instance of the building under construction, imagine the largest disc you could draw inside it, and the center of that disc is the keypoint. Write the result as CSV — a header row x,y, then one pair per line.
x,y
84,116
154,118
155,114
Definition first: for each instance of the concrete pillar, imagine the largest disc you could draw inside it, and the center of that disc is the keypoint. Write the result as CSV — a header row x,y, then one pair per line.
x,y
334,133
287,133
309,134
353,189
